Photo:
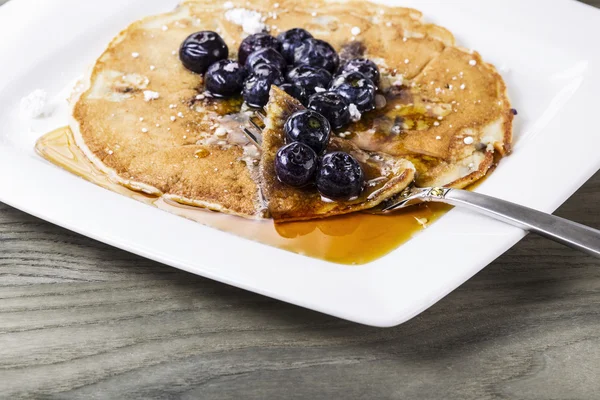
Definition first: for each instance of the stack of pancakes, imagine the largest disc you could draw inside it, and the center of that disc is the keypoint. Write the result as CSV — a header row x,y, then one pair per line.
x,y
443,120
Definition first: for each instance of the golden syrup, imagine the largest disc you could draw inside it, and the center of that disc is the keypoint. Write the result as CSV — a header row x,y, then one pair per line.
x,y
352,239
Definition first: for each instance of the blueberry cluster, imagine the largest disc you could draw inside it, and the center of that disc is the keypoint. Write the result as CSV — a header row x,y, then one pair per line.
x,y
337,175
309,70
306,68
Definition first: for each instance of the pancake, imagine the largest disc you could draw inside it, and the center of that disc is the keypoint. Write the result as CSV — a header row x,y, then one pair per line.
x,y
386,176
143,119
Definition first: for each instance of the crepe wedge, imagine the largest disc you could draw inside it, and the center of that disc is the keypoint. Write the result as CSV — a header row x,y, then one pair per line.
x,y
386,176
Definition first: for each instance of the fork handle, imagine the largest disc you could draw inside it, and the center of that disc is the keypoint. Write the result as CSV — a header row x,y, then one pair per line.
x,y
555,228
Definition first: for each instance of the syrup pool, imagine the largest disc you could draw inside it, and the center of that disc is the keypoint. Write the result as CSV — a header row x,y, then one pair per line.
x,y
352,239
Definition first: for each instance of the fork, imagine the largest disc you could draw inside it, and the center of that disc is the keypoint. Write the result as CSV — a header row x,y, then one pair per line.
x,y
254,131
560,230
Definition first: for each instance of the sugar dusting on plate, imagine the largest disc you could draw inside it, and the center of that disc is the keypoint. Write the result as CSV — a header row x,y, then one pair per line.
x,y
35,105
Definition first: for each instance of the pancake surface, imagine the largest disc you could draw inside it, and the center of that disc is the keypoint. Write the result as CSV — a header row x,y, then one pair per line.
x,y
141,116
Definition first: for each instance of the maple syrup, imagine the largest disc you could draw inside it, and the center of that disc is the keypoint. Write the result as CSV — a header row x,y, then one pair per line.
x,y
352,239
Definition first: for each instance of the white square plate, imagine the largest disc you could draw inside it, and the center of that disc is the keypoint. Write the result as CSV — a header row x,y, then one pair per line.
x,y
547,53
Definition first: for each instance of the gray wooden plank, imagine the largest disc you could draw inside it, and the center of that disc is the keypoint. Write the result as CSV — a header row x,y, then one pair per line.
x,y
79,319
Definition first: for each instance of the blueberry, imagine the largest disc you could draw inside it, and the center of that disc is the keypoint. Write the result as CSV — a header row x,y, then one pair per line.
x,y
308,127
290,40
295,91
332,106
256,42
202,49
266,56
365,66
225,78
340,177
258,85
316,53
267,70
296,164
356,89
310,78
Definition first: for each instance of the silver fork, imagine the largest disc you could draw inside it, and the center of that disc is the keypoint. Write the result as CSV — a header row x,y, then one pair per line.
x,y
560,230
555,228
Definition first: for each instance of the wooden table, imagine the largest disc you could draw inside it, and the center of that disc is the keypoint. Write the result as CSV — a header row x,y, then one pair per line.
x,y
79,319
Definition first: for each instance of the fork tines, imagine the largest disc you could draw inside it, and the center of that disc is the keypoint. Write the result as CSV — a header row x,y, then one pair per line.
x,y
254,131
254,139
260,114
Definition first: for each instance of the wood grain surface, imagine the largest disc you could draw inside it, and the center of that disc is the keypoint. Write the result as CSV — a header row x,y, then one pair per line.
x,y
79,319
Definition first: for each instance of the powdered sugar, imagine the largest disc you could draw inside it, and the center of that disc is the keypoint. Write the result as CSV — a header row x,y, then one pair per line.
x,y
221,132
150,95
250,21
355,115
35,105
